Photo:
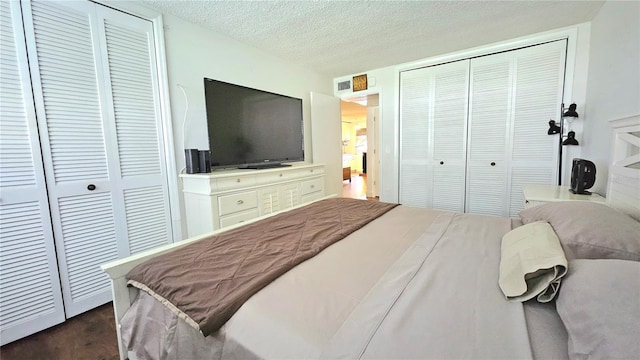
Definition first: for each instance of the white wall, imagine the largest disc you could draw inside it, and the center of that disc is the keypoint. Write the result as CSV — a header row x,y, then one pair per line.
x,y
194,52
613,87
386,82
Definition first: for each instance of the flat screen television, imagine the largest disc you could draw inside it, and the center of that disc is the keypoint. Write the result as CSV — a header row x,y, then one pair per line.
x,y
250,128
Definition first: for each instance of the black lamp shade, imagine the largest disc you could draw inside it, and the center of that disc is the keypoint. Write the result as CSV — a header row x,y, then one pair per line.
x,y
553,128
571,112
571,139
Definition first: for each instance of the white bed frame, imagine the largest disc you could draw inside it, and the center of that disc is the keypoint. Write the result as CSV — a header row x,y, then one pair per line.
x,y
623,192
123,295
623,187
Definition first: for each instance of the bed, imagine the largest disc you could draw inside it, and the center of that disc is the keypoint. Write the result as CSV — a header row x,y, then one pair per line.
x,y
414,283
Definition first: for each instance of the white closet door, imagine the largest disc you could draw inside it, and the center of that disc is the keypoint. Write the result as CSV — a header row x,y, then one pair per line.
x,y
513,96
433,136
491,79
449,119
100,129
30,296
71,116
415,137
134,117
537,99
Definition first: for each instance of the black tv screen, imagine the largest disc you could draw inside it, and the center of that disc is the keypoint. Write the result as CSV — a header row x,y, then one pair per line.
x,y
252,127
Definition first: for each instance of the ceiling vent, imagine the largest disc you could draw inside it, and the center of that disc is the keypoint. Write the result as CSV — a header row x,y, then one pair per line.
x,y
344,85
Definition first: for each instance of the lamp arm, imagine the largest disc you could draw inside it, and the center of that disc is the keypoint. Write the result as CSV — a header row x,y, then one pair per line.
x,y
560,137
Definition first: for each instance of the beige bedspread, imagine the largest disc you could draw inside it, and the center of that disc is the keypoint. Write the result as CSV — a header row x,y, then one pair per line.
x,y
414,283
206,282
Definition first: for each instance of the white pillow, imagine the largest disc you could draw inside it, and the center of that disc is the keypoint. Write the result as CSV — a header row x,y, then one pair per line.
x,y
589,230
599,304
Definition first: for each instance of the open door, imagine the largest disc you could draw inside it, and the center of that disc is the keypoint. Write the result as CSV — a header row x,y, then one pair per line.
x,y
372,151
326,135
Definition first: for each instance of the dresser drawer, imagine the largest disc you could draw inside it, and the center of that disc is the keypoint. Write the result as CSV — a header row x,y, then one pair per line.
x,y
311,186
234,182
238,218
310,171
229,204
274,177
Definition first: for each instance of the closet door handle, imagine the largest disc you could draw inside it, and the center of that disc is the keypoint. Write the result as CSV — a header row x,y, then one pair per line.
x,y
441,162
493,163
91,187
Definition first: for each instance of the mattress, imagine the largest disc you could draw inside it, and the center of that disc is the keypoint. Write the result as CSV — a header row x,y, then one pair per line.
x,y
415,283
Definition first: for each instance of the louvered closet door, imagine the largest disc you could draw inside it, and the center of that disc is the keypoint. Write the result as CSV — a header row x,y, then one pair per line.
x,y
538,97
134,117
101,165
491,79
415,107
433,138
449,121
513,96
30,296
74,143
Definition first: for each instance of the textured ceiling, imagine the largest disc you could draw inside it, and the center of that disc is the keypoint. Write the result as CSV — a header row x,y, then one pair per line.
x,y
345,37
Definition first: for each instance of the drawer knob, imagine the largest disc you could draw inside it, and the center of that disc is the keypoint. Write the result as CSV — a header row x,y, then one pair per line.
x,y
280,175
237,180
493,163
311,170
312,186
441,162
91,187
240,202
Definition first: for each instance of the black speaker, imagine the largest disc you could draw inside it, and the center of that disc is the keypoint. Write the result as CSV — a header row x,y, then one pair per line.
x,y
583,176
205,161
192,160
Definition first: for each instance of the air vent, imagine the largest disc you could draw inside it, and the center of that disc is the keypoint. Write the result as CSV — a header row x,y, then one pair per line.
x,y
344,85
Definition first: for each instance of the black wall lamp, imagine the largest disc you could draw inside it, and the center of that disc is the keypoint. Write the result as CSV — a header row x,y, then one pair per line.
x,y
568,115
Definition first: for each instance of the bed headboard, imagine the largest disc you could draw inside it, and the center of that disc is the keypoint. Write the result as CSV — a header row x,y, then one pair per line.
x,y
623,188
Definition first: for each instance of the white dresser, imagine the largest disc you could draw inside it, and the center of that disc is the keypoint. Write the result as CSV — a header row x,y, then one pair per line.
x,y
536,194
228,197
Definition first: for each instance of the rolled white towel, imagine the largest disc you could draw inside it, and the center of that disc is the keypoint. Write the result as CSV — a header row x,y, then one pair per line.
x,y
532,263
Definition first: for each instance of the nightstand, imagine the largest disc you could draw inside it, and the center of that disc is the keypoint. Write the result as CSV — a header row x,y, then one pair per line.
x,y
536,194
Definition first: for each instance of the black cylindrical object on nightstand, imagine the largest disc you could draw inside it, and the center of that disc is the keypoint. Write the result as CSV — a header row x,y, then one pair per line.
x,y
205,161
192,160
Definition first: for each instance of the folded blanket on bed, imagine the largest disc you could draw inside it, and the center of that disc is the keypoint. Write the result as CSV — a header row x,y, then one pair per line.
x,y
532,263
206,282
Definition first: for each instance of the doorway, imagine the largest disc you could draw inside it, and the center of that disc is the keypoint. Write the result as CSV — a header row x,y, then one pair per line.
x,y
359,117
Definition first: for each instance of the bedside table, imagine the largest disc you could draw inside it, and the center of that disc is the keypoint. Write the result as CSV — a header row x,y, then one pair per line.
x,y
536,194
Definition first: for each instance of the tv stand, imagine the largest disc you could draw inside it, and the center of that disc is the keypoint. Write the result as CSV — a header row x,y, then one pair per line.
x,y
264,166
227,197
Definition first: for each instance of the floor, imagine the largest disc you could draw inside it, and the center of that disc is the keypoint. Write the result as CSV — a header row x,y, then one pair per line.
x,y
357,188
91,335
